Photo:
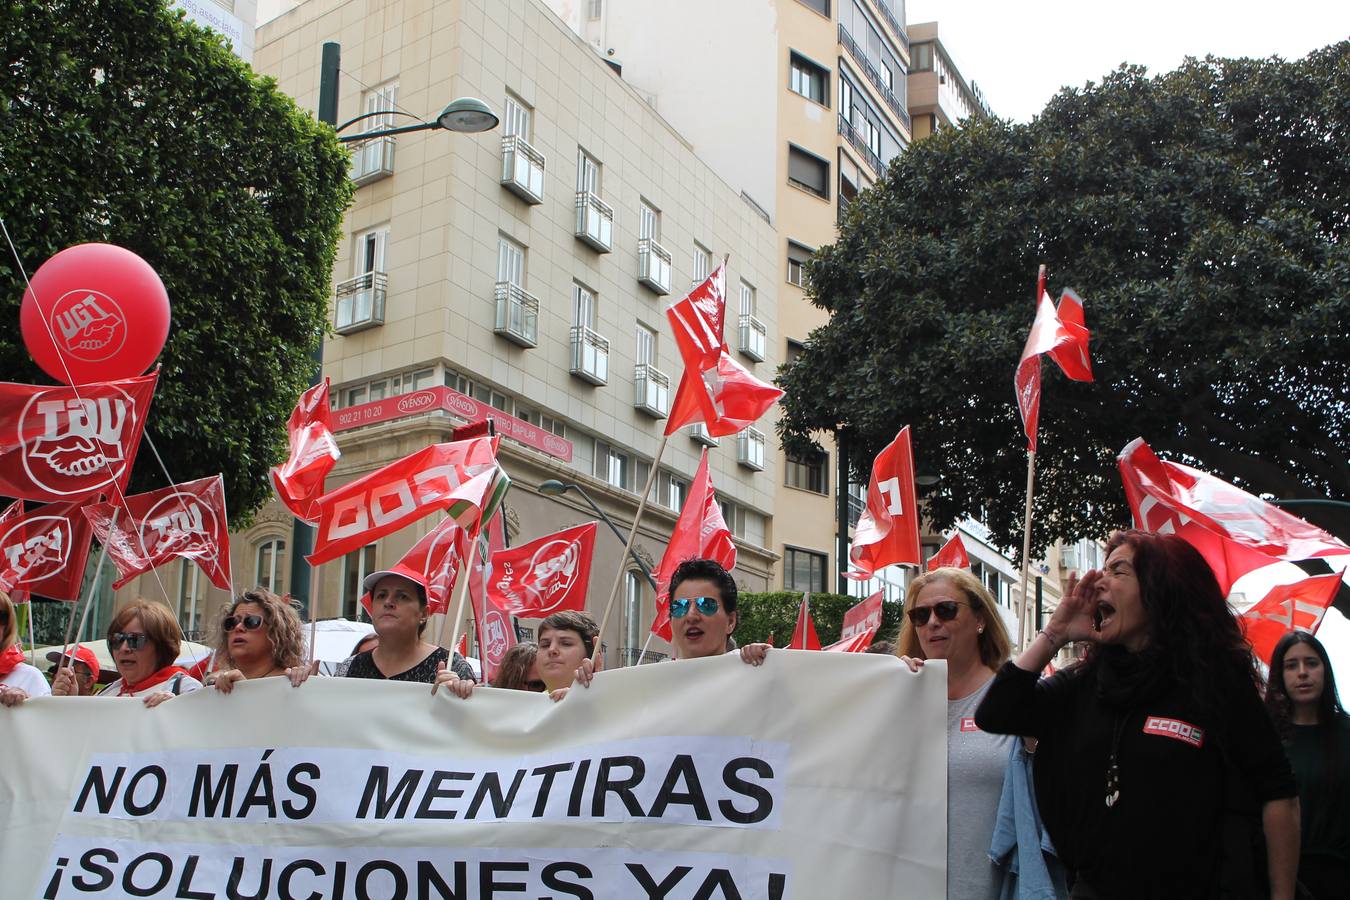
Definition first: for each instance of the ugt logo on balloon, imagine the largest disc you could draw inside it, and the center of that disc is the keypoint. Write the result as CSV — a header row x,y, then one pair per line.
x,y
42,555
80,441
89,325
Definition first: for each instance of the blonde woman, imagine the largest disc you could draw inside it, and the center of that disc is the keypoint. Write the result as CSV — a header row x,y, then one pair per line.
x,y
259,635
18,680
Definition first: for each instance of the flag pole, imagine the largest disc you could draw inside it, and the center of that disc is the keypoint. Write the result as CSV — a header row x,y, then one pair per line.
x,y
32,644
93,591
627,548
1022,638
462,586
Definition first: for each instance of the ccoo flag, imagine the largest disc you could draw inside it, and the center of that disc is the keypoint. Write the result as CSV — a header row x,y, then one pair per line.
x,y
888,529
1062,334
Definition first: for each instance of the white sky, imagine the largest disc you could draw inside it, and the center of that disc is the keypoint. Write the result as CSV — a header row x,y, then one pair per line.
x,y
1020,54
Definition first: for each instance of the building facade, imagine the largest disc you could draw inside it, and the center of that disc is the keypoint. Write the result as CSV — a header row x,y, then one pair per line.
x,y
235,20
939,95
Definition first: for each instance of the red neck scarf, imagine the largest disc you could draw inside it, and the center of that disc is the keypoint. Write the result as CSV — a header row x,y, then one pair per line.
x,y
163,674
10,659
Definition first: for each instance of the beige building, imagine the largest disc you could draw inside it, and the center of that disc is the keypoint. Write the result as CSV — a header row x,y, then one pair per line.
x,y
523,274
799,105
939,95
235,20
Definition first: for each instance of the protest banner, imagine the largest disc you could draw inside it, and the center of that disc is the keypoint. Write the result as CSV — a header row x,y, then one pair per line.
x,y
360,789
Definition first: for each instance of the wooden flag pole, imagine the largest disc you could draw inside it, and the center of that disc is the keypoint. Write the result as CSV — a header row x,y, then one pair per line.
x,y
463,589
32,644
1023,637
627,548
89,604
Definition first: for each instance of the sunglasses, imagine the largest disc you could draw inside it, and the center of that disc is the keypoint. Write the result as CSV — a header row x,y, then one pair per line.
x,y
945,610
708,606
536,686
251,623
133,639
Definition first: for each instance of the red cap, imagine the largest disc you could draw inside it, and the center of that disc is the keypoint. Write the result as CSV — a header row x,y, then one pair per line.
x,y
81,653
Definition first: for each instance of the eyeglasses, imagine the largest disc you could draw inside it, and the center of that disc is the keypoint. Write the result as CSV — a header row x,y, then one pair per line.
x,y
946,610
707,606
135,640
535,686
251,623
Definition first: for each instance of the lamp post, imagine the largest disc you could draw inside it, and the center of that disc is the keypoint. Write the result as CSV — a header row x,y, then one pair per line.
x,y
555,488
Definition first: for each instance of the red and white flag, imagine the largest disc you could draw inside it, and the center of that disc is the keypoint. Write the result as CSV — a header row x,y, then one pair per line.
x,y
13,511
858,643
1235,531
434,562
804,635
299,481
715,389
887,533
1289,607
1062,335
459,478
181,521
953,554
70,443
496,634
863,617
44,551
547,575
700,533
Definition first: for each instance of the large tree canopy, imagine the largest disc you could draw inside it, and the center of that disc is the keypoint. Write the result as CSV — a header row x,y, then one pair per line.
x,y
1202,215
121,123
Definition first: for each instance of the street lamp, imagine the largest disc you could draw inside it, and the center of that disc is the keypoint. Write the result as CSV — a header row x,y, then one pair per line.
x,y
467,115
555,488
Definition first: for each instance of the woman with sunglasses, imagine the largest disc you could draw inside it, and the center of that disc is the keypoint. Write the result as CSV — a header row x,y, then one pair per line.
x,y
1157,767
953,618
259,636
18,680
1302,701
144,640
519,670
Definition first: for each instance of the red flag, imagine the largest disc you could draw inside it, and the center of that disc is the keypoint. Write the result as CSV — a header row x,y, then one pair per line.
x,y
1061,334
953,553
463,647
714,389
700,533
182,520
547,575
865,616
888,529
1289,607
858,643
459,477
496,634
1235,531
69,443
313,450
45,550
804,635
434,562
13,511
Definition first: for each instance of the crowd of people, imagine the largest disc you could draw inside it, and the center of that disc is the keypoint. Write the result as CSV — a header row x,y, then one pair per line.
x,y
1162,764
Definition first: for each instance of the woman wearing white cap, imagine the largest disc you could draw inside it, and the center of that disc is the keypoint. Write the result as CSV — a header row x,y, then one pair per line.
x,y
398,610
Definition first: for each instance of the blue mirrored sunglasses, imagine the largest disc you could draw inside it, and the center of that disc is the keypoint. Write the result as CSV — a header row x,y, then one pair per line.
x,y
708,606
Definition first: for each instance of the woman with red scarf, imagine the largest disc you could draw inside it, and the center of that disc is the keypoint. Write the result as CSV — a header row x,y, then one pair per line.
x,y
144,640
18,680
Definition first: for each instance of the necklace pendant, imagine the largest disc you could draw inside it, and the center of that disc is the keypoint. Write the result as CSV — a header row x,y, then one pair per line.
x,y
1112,785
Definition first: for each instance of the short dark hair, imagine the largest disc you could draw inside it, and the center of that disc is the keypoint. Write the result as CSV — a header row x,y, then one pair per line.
x,y
573,620
705,570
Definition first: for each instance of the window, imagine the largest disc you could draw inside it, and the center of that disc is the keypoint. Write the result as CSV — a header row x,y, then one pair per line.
x,y
267,567
803,570
809,472
189,591
588,172
495,399
517,118
750,446
797,255
808,79
649,222
646,345
541,421
594,8
510,261
747,300
702,263
820,6
808,172
921,57
613,466
355,396
671,491
355,567
733,515
388,386
794,350
583,306
369,255
846,100
634,622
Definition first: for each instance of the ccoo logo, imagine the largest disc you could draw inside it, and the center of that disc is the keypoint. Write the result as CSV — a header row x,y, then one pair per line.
x,y
88,325
38,557
79,443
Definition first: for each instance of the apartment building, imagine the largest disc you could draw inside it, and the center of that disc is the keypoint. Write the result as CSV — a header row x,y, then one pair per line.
x,y
939,95
799,105
235,20
520,274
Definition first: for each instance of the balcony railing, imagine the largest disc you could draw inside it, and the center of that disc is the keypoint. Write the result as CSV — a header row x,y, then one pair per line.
x,y
750,449
590,355
895,25
595,222
636,656
851,133
359,303
651,391
654,266
699,432
874,76
373,160
522,169
517,314
856,505
753,337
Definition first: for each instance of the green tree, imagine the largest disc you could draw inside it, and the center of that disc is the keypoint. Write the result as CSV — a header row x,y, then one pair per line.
x,y
775,613
1203,216
120,122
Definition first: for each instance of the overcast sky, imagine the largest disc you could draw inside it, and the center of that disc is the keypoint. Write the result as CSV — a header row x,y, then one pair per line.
x,y
1020,54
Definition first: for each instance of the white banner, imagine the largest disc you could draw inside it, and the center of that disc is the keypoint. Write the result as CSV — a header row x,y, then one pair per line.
x,y
816,775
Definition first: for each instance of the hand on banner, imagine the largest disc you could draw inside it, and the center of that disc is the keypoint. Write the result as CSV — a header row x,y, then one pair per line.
x,y
12,696
300,674
460,687
754,654
158,697
915,663
224,681
585,672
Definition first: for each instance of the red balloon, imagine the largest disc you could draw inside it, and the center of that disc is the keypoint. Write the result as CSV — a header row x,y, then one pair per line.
x,y
94,312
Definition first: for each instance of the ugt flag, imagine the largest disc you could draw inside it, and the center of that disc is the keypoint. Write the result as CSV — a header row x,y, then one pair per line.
x,y
700,533
888,529
1062,334
44,551
184,521
547,575
300,480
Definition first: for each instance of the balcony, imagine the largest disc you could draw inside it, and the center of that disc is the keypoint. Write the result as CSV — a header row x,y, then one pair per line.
x,y
651,391
874,76
699,434
860,145
595,222
517,314
372,161
856,505
750,449
590,355
636,656
522,169
359,303
654,266
753,337
895,25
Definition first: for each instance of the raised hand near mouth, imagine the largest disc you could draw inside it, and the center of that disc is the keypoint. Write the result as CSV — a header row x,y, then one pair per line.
x,y
1077,618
